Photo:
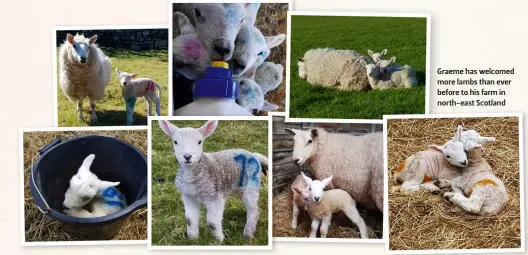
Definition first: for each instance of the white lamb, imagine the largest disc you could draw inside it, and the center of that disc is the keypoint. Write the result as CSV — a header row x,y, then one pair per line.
x,y
397,76
251,97
478,190
356,162
87,191
251,49
377,56
208,178
269,76
322,204
334,68
131,89
217,25
84,71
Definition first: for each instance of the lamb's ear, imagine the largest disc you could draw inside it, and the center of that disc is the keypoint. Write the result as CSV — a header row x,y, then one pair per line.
x,y
134,75
273,41
370,53
268,107
393,60
289,130
167,127
327,180
469,145
297,190
208,128
69,38
314,133
93,39
102,185
118,72
184,23
435,147
87,163
300,59
363,63
306,178
384,52
458,132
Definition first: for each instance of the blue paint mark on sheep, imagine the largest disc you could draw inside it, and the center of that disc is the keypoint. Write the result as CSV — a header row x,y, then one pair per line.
x,y
111,193
115,203
231,16
249,171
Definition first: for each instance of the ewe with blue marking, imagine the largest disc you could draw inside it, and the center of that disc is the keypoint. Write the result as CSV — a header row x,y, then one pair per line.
x,y
208,178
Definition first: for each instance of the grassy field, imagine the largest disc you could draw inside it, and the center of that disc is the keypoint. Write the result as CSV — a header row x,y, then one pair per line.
x,y
39,228
168,217
404,38
111,110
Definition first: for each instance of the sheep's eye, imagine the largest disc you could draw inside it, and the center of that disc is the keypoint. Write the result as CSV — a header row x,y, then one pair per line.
x,y
197,13
242,21
261,53
310,189
200,142
175,142
448,156
255,111
309,141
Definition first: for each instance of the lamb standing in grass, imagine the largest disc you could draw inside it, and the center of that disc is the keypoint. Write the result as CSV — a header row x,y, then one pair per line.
x,y
324,203
356,162
397,76
209,178
86,190
140,87
478,190
334,68
377,56
84,71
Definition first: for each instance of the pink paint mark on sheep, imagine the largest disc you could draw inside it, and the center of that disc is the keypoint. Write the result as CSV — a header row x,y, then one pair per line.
x,y
193,49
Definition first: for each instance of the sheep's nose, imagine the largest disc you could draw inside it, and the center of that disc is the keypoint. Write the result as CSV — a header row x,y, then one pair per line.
x,y
124,83
187,157
240,66
222,51
83,59
316,199
222,47
296,161
464,163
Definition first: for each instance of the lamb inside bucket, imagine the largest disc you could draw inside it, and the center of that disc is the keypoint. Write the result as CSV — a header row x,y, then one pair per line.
x,y
117,172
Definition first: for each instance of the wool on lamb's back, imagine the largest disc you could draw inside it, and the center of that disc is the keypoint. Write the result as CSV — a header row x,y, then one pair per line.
x,y
330,67
356,163
90,79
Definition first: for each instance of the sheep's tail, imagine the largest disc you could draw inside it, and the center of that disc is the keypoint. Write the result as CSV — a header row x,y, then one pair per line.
x,y
263,160
159,90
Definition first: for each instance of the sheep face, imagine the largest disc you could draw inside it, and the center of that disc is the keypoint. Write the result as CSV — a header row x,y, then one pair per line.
x,y
251,97
125,77
304,193
217,25
302,69
84,186
453,150
304,144
189,55
80,47
188,142
385,65
316,187
377,56
252,48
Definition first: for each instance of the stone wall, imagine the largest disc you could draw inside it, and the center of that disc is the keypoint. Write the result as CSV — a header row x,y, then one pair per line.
x,y
284,170
131,39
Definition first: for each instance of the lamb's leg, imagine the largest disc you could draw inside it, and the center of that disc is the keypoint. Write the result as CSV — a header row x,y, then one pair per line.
x,y
485,139
442,183
413,186
315,226
353,214
79,109
92,107
325,223
295,215
149,105
455,185
215,212
158,105
250,199
472,204
192,215
130,104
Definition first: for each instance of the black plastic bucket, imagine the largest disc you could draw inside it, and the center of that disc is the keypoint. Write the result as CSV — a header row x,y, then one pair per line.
x,y
115,160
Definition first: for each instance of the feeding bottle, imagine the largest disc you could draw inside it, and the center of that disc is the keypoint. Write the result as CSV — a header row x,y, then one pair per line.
x,y
215,94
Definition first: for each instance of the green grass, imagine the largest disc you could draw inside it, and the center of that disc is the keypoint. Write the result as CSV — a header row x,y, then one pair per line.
x,y
404,38
111,110
168,216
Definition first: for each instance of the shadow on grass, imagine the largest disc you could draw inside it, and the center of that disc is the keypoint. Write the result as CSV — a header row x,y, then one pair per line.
x,y
420,76
116,118
125,53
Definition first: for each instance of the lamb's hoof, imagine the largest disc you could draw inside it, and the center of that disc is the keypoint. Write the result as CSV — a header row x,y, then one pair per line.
x,y
219,238
435,192
94,118
437,183
448,196
192,236
248,234
294,226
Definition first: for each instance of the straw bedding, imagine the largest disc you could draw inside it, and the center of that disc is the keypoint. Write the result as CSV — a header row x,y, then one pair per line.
x,y
341,226
40,228
423,221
